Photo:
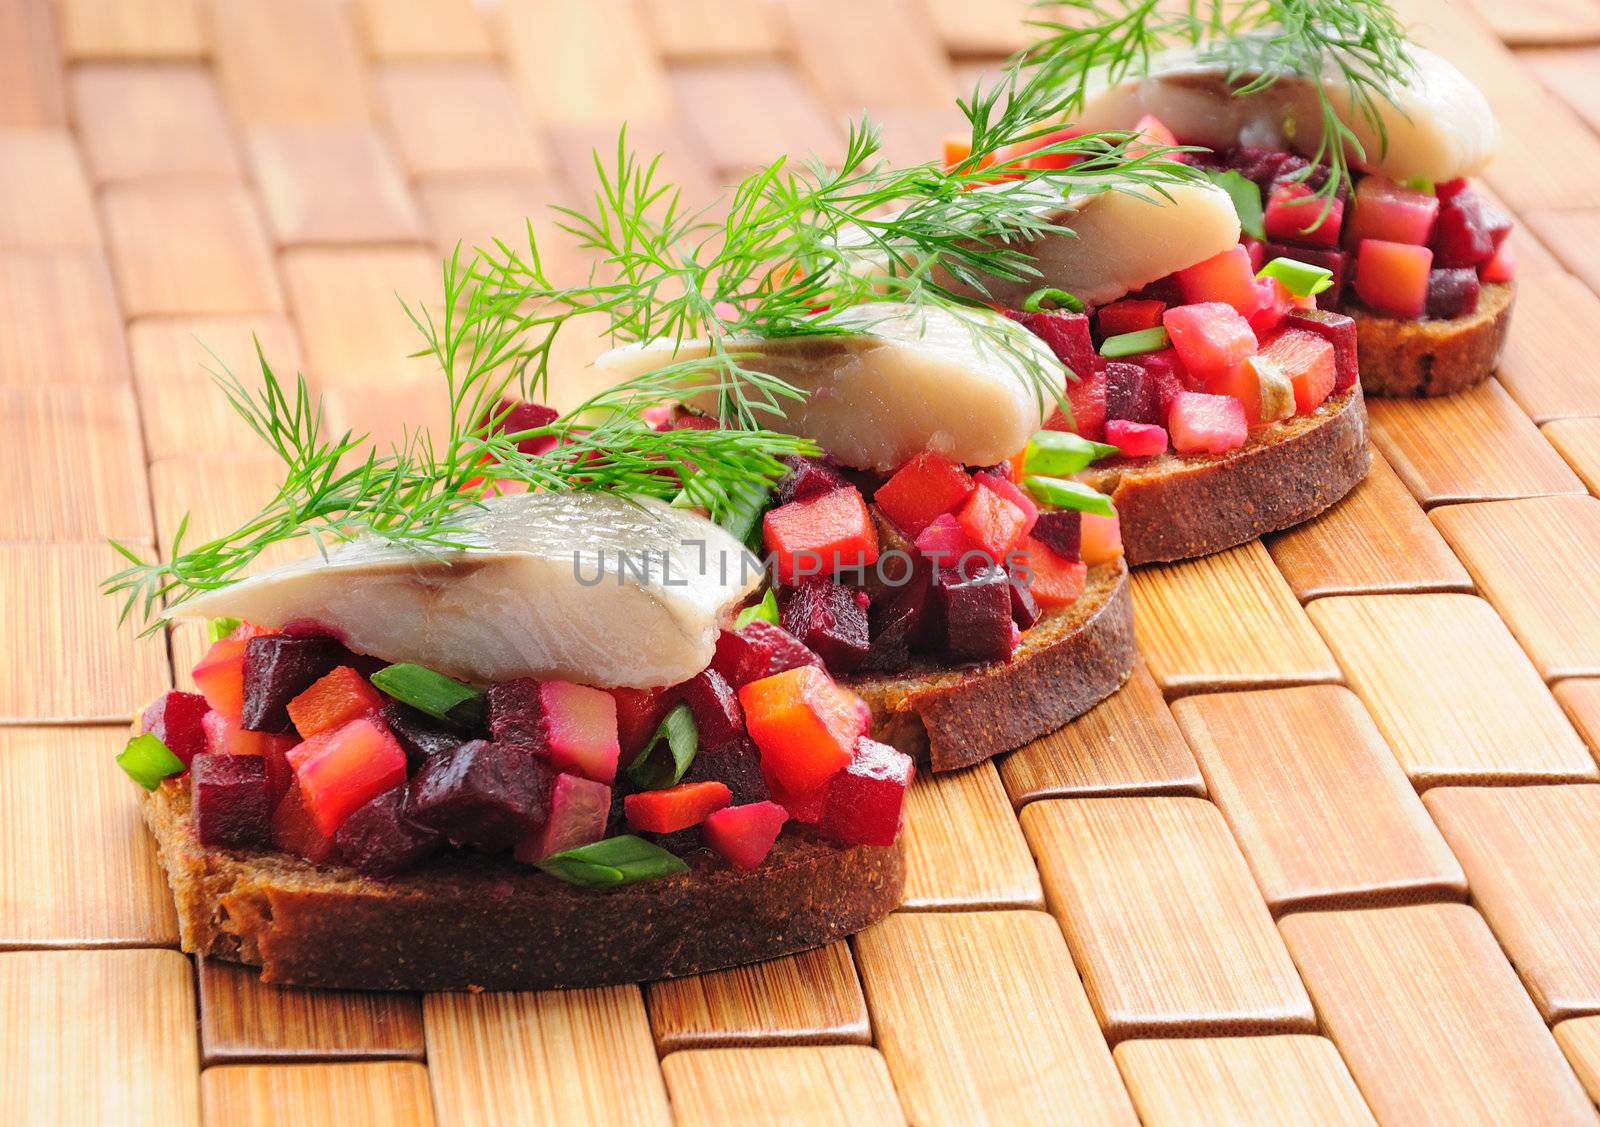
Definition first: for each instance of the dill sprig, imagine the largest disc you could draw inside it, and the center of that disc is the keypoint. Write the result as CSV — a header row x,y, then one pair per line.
x,y
1258,43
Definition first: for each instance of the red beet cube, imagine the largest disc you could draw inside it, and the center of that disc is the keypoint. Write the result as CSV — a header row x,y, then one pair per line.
x,y
579,730
279,668
745,834
342,770
830,619
757,650
518,417
1087,398
736,765
420,736
579,809
1337,262
225,737
1067,335
1167,374
1256,164
1339,331
1468,232
675,808
483,795
1129,316
922,490
975,609
220,673
1024,607
992,521
515,712
1452,292
1131,394
232,809
865,800
1296,214
639,714
380,841
821,535
175,720
902,618
294,832
1060,530
333,701
807,478
714,704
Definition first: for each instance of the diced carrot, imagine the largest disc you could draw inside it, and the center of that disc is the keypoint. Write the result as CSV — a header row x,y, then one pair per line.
x,y
333,701
1054,582
674,808
821,535
805,725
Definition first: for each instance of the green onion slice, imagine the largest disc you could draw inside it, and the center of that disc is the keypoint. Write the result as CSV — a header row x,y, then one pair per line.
x,y
147,761
1058,299
441,697
1246,199
219,628
1419,184
1064,494
612,863
1132,344
1300,278
1063,452
653,771
766,610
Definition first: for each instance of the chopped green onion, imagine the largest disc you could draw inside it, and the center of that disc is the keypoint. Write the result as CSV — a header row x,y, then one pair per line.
x,y
1132,344
650,771
766,610
1300,278
1246,199
614,862
147,761
441,697
1064,494
1062,452
1419,184
219,628
1058,299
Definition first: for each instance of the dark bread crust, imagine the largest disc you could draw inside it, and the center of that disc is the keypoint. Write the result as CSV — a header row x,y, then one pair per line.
x,y
1410,357
475,922
1177,506
1071,659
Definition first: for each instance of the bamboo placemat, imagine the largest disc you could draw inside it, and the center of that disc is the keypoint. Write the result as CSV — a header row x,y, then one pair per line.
x,y
1330,856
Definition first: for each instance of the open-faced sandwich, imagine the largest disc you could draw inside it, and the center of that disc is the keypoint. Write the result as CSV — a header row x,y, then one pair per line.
x,y
1344,146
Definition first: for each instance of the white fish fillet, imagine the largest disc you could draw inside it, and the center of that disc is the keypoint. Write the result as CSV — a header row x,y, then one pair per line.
x,y
910,380
1439,126
546,595
1120,241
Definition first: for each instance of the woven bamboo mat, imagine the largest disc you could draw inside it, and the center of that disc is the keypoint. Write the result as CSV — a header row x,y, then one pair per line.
x,y
1331,856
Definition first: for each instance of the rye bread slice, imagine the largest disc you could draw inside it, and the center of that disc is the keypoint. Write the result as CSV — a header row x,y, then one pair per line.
x,y
1177,506
1410,357
1072,659
466,922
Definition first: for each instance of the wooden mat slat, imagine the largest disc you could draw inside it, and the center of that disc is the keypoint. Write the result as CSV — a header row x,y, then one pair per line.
x,y
963,847
316,1095
31,95
460,119
816,1086
63,324
152,119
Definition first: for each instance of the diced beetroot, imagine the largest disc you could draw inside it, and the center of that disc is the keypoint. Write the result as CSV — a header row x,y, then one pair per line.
x,y
1271,304
1102,539
803,806
821,536
380,840
1136,440
1053,580
1207,424
866,799
1469,231
829,618
1024,606
1389,211
736,765
1128,316
1012,492
675,808
484,795
1210,338
945,541
342,770
225,737
175,720
1060,530
1339,331
805,725
580,729
991,522
1087,398
278,668
715,705
807,478
975,608
1336,262
744,835
1295,214
515,712
1256,249
220,673
294,832
232,808
333,701
759,650
1225,277
639,714
578,811
1307,359
1449,189
1502,267
922,490
1392,278
901,618
1131,394
516,417
1452,292
1257,164
419,734
1067,335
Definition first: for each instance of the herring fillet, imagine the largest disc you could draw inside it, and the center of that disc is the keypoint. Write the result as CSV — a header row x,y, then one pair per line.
x,y
1439,125
907,380
524,602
